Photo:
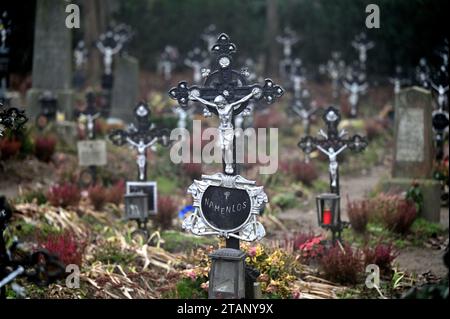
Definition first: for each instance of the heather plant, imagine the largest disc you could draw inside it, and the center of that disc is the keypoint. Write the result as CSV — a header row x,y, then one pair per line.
x,y
358,213
98,196
167,211
44,148
304,172
403,216
64,195
65,246
384,205
342,264
115,193
381,255
192,170
9,147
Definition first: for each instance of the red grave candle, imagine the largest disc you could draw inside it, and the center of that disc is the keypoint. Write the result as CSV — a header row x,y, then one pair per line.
x,y
326,217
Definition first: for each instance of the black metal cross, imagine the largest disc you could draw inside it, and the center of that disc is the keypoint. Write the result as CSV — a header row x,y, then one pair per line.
x,y
91,113
332,143
226,92
209,35
109,44
335,68
11,118
141,136
362,44
304,108
168,61
196,59
355,84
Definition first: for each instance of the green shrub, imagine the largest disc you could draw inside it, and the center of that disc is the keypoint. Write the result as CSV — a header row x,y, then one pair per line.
x,y
285,200
191,289
34,195
425,229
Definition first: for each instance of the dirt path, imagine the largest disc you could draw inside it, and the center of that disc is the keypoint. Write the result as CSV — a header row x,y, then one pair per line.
x,y
416,260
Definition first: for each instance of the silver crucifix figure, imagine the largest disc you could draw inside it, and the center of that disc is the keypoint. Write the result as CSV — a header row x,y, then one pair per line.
x,y
226,129
141,148
333,165
354,90
108,51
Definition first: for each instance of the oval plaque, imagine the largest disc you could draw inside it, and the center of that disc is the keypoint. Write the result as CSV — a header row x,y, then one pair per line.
x,y
225,208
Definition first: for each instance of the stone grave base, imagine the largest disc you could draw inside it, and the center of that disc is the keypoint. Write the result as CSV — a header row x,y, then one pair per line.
x,y
431,191
65,102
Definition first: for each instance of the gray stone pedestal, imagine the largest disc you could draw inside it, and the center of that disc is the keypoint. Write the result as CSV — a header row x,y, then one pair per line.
x,y
125,93
431,191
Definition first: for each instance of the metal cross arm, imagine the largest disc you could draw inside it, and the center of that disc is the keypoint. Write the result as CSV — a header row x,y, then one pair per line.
x,y
224,81
333,138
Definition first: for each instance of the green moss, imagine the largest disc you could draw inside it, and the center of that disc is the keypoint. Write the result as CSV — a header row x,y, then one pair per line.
x,y
33,195
190,289
166,186
176,241
424,229
320,186
26,231
109,254
285,200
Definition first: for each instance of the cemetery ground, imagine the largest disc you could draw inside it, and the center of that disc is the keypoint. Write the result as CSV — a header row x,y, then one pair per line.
x,y
85,226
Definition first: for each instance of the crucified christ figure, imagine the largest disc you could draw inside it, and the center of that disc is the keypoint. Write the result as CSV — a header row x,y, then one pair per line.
x,y
108,53
142,150
333,166
226,129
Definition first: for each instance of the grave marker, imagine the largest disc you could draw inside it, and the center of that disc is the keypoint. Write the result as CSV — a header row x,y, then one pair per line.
x,y
413,149
125,89
142,137
332,143
91,152
226,204
52,58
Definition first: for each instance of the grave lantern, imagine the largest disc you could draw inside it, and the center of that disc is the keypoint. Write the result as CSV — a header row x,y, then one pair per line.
x,y
136,207
328,212
49,107
227,277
